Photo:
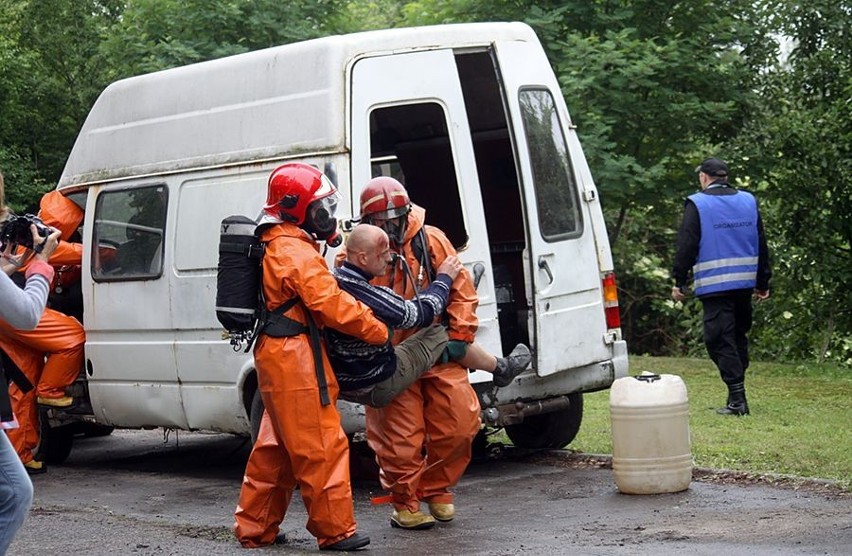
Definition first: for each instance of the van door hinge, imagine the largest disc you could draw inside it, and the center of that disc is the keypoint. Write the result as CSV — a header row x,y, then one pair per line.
x,y
590,195
610,338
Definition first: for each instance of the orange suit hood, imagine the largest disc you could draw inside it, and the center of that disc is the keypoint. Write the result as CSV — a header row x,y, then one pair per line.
x,y
60,212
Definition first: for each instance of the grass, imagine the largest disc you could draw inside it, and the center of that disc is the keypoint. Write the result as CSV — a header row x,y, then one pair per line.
x,y
799,425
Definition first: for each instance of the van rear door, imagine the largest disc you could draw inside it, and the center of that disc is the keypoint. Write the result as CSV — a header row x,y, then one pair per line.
x,y
569,321
409,121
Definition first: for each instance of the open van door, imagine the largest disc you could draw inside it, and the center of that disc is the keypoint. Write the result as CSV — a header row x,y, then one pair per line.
x,y
409,122
568,313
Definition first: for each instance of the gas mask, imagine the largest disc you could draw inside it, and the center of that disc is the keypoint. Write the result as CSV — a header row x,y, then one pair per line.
x,y
395,228
320,221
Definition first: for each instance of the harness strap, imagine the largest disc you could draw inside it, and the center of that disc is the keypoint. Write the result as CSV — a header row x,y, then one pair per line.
x,y
276,325
10,372
316,347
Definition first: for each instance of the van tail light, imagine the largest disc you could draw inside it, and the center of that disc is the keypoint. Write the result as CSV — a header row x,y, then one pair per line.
x,y
610,295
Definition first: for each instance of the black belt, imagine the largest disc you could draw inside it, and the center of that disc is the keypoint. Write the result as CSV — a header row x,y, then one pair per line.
x,y
276,325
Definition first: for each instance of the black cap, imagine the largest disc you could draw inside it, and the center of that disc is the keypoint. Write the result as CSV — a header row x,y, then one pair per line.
x,y
713,167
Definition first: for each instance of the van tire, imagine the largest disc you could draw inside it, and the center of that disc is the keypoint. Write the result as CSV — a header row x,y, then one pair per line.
x,y
54,443
549,431
255,415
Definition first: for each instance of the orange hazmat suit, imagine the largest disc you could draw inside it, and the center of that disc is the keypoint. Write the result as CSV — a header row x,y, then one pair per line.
x,y
301,441
440,410
58,337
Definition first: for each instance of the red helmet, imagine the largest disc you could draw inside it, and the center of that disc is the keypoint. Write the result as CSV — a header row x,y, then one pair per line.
x,y
384,198
294,186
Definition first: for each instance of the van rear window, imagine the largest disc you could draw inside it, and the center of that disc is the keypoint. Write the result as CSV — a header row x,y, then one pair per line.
x,y
555,186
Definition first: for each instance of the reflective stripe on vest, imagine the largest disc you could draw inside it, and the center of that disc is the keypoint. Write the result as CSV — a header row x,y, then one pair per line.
x,y
728,251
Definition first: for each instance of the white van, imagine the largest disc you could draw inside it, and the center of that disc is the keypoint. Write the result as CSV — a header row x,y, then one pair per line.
x,y
470,117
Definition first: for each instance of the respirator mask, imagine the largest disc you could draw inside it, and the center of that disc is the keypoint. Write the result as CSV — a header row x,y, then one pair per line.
x,y
321,222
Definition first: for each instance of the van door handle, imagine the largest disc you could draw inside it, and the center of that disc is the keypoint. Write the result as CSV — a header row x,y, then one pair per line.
x,y
542,265
478,271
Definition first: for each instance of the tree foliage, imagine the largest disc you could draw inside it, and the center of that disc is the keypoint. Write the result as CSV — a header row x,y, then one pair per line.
x,y
799,146
159,34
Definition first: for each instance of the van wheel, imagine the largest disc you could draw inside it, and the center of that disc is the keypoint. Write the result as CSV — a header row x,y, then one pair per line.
x,y
255,414
550,431
54,443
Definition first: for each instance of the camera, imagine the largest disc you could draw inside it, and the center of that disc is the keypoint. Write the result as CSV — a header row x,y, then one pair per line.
x,y
16,230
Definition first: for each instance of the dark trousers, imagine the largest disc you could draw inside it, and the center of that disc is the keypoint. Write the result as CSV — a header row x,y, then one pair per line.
x,y
727,320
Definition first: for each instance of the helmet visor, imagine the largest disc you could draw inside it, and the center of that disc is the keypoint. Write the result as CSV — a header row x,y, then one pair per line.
x,y
389,214
329,203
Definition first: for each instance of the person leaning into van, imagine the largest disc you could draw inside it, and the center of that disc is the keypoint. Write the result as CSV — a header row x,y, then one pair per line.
x,y
722,243
51,355
374,375
21,309
301,441
440,411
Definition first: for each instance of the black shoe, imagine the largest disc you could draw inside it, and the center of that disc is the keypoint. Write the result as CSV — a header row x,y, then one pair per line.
x,y
354,542
512,365
737,404
732,408
280,538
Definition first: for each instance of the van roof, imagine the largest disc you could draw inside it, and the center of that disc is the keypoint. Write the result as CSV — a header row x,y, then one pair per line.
x,y
255,106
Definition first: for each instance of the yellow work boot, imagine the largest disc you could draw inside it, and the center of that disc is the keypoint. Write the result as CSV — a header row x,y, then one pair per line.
x,y
405,519
34,467
64,401
442,512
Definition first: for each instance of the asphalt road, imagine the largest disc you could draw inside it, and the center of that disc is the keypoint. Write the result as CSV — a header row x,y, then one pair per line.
x,y
133,493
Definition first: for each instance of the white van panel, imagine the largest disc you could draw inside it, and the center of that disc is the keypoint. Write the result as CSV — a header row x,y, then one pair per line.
x,y
251,107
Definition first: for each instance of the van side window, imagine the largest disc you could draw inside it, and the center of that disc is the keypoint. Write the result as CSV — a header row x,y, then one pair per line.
x,y
555,186
129,227
412,144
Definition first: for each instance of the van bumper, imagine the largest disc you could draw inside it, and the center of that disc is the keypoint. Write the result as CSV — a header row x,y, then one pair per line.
x,y
533,395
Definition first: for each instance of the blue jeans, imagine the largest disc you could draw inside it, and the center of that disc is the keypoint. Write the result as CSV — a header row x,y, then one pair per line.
x,y
16,493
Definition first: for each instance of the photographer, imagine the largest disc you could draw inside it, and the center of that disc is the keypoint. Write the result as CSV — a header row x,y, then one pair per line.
x,y
23,309
51,355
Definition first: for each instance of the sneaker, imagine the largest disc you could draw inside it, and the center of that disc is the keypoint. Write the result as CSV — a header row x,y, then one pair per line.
x,y
355,542
442,512
511,366
404,519
63,402
34,467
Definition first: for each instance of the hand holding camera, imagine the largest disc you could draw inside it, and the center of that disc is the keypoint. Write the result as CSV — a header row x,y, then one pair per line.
x,y
16,230
30,232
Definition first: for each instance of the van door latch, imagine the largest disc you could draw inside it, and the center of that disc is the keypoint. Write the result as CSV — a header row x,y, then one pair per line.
x,y
478,271
589,195
542,265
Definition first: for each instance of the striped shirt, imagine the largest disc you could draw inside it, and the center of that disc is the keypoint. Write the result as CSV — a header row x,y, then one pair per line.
x,y
358,364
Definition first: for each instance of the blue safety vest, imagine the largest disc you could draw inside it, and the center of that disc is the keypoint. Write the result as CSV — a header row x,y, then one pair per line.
x,y
728,251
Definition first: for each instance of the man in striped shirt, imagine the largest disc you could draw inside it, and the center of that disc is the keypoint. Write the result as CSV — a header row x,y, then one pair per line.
x,y
374,375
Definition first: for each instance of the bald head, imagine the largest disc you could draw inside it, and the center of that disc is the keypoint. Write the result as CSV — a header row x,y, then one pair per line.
x,y
368,249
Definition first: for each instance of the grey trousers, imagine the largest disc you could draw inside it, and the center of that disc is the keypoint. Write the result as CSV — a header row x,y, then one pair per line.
x,y
414,356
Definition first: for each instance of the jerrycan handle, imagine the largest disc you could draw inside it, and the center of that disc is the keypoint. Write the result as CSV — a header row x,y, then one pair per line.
x,y
649,378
